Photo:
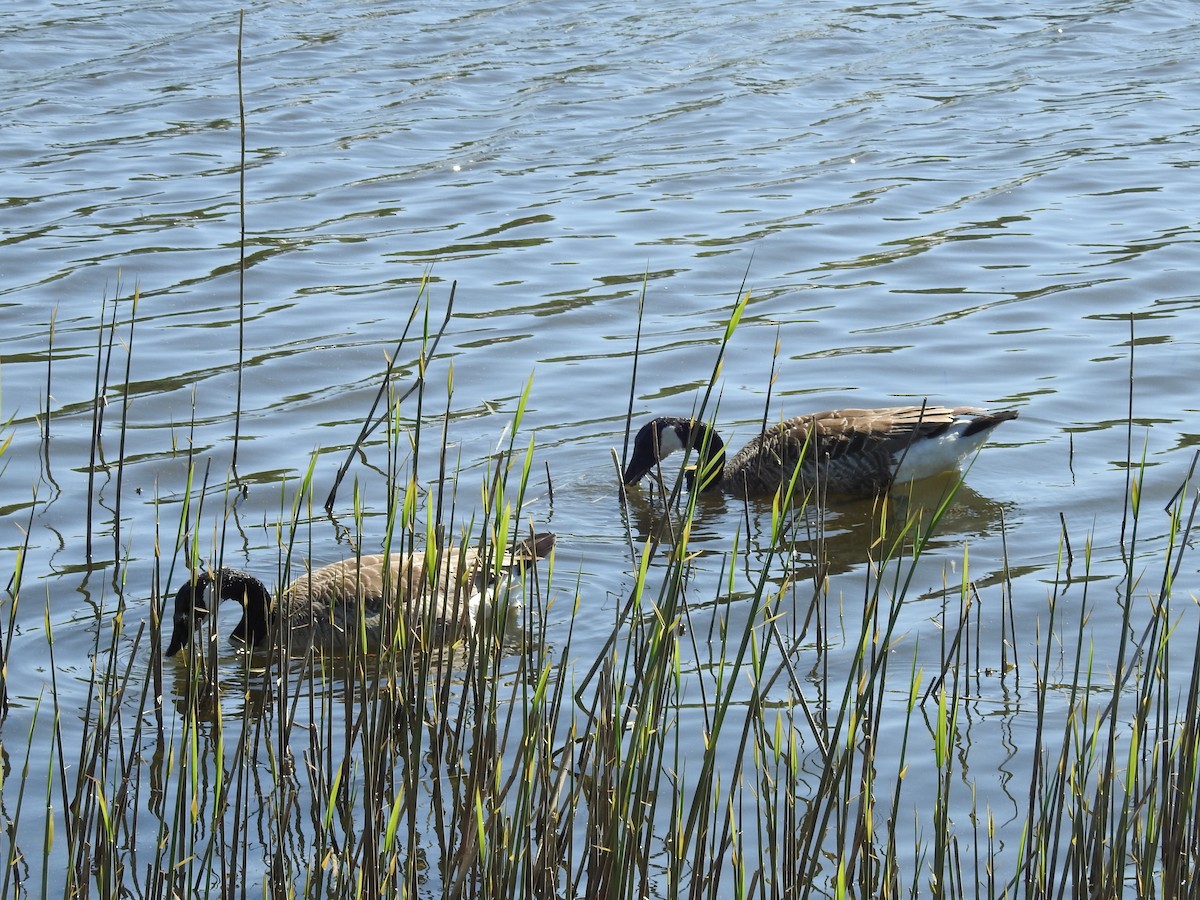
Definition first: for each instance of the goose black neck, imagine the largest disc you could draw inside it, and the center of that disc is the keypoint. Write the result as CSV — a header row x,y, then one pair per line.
x,y
710,457
192,604
255,627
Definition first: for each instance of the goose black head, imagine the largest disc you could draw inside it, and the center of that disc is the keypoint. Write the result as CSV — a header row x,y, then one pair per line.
x,y
661,437
191,606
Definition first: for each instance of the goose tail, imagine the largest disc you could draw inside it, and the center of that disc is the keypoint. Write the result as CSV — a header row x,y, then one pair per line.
x,y
986,421
533,547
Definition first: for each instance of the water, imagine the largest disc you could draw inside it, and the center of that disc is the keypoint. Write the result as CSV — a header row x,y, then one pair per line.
x,y
933,200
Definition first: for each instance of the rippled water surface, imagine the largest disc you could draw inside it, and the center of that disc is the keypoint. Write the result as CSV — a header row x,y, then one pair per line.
x,y
953,201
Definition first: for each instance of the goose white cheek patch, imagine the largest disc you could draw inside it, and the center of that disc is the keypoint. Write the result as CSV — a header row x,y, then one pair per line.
x,y
668,441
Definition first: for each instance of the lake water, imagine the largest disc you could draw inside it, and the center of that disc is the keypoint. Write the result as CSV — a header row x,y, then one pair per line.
x,y
955,201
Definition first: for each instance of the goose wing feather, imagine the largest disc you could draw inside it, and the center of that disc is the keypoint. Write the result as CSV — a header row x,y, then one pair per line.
x,y
330,601
854,451
442,592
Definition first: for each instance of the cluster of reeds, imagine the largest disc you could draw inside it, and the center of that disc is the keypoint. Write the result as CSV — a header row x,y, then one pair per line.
x,y
742,731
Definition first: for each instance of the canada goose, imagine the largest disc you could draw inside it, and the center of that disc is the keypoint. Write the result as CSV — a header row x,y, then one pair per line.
x,y
322,609
849,451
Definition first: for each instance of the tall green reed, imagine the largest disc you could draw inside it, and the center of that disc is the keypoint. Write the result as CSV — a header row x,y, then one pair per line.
x,y
745,730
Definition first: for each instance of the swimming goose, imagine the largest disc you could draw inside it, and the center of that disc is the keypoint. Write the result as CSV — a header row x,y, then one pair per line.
x,y
322,608
849,451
